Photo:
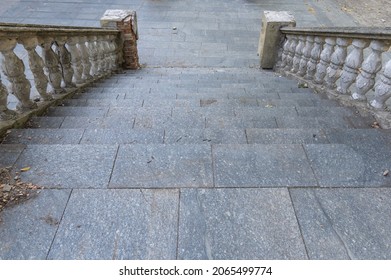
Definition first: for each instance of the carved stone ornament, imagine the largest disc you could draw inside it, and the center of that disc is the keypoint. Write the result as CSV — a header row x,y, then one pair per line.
x,y
65,61
309,43
352,66
5,113
36,64
52,64
372,64
383,88
314,58
13,68
325,57
337,60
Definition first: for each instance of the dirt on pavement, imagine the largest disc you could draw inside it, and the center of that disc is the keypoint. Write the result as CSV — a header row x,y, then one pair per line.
x,y
375,13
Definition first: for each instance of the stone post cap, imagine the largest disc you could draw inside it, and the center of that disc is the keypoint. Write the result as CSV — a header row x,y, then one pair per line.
x,y
111,17
279,16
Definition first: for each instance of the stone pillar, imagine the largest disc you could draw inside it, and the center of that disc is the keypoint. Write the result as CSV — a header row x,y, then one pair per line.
x,y
270,37
126,22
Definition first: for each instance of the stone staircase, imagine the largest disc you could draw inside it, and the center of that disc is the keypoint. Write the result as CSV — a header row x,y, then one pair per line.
x,y
207,127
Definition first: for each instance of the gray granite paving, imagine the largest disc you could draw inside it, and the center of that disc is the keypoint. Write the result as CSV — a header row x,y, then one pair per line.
x,y
116,136
44,136
162,166
68,166
344,223
261,166
118,224
202,136
28,229
215,224
9,154
285,136
355,165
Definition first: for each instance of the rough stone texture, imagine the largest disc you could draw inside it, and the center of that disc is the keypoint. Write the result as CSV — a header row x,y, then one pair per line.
x,y
202,136
270,37
27,230
215,224
261,166
115,136
44,136
118,224
68,166
344,223
126,22
285,136
162,166
354,165
9,154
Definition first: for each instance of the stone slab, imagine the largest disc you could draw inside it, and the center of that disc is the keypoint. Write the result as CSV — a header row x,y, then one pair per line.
x,y
46,122
202,136
77,111
344,223
259,165
9,154
180,120
286,136
121,136
312,122
354,165
240,123
163,166
238,224
117,122
118,224
28,229
44,136
67,166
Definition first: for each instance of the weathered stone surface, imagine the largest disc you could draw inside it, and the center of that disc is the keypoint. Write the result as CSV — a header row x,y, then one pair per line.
x,y
44,136
261,166
163,166
203,136
352,165
238,224
117,136
118,224
270,37
28,229
9,154
285,136
344,223
68,166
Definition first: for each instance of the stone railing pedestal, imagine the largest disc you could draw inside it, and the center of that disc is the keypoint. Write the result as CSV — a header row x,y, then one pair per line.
x,y
126,22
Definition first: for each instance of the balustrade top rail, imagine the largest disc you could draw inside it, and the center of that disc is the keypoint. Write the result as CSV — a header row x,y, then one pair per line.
x,y
21,30
369,33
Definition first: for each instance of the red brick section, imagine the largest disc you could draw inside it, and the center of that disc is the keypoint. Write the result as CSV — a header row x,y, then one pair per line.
x,y
130,54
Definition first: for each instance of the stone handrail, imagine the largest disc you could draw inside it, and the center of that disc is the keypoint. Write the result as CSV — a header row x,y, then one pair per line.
x,y
54,62
352,65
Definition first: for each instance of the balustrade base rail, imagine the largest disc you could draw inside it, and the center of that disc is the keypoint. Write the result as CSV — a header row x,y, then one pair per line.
x,y
349,64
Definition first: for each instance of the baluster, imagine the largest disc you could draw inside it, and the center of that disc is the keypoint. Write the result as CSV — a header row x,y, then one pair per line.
x,y
52,65
291,52
65,62
101,56
85,58
113,52
325,57
92,49
371,65
37,67
336,62
76,60
298,55
5,113
383,88
306,56
13,68
106,48
352,64
315,57
285,51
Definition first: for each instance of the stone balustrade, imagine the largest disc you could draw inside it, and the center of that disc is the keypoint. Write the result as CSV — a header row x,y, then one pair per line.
x,y
352,65
59,59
